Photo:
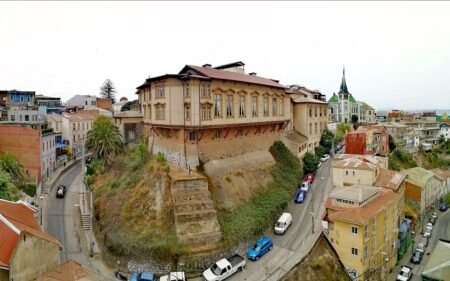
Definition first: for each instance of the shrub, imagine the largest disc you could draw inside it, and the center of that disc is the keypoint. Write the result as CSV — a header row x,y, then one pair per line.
x,y
29,189
142,151
320,150
166,168
310,162
253,217
161,157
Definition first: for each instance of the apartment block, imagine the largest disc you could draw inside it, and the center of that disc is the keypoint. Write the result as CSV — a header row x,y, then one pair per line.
x,y
361,224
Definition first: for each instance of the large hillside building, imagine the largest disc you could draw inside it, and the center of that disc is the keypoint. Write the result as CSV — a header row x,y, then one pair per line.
x,y
205,113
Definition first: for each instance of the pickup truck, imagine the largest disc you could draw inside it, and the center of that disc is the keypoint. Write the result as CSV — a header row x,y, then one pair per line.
x,y
173,276
405,274
224,268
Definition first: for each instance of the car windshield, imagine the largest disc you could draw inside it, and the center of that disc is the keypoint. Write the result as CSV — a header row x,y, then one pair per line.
x,y
215,269
280,224
300,195
256,248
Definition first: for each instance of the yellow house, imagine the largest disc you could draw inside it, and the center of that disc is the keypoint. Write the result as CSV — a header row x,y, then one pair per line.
x,y
351,169
361,223
309,116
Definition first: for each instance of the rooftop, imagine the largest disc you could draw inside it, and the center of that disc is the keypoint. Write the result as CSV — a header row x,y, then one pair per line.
x,y
418,176
355,193
360,215
307,100
68,271
128,114
15,218
438,265
389,179
355,161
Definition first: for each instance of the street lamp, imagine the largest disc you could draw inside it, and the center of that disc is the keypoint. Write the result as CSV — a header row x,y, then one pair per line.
x,y
42,198
312,221
412,249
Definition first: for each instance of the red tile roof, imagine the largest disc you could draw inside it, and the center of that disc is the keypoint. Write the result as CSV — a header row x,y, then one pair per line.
x,y
68,271
17,216
389,179
234,76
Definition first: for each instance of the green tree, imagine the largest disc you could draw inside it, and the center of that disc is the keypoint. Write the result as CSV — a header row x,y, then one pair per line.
x,y
8,190
108,91
320,150
104,140
310,162
326,140
341,130
11,165
392,144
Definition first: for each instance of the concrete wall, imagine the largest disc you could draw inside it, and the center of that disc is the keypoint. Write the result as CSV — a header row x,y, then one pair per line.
x,y
48,152
32,257
359,177
26,145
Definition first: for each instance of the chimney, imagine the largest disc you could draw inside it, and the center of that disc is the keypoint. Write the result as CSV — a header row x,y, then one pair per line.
x,y
252,73
207,65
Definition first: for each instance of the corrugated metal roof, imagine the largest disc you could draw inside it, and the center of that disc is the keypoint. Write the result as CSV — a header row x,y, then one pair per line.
x,y
418,176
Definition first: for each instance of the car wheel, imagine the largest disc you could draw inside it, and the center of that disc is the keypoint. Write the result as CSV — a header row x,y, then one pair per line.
x,y
257,258
270,248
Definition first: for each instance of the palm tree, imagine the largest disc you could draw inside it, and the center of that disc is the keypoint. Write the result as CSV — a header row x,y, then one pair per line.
x,y
10,164
104,140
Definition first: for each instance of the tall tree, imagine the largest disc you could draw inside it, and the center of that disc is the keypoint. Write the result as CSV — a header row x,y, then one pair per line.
x,y
11,165
8,190
104,140
108,91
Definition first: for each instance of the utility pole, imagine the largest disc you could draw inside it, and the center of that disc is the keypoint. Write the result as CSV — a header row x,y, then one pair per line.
x,y
312,222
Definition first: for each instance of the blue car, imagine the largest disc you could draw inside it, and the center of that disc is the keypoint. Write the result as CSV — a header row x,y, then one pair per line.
x,y
142,276
261,247
300,196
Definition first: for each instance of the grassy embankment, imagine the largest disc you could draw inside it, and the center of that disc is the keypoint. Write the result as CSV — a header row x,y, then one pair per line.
x,y
133,207
252,218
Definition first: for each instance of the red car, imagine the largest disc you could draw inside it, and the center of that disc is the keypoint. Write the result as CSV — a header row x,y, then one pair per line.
x,y
309,177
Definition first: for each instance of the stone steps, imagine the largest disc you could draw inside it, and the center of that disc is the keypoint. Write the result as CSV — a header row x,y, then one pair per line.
x,y
193,206
189,196
196,215
197,227
199,238
86,221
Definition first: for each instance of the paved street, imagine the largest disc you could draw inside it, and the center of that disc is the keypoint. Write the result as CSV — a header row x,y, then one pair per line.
x,y
298,240
441,230
62,220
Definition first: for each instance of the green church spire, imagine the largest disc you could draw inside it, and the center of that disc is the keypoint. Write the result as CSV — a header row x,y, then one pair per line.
x,y
343,89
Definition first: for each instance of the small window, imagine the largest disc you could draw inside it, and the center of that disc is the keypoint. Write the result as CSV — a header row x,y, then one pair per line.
x,y
13,117
353,172
192,136
218,134
354,251
346,173
354,230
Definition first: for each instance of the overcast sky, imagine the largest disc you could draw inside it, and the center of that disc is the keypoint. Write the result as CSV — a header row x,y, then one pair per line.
x,y
396,55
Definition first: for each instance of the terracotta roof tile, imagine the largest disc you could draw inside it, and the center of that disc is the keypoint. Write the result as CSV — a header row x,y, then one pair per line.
x,y
68,271
234,76
21,217
389,179
130,114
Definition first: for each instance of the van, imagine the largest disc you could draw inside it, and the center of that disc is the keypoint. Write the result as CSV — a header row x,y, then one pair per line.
x,y
283,223
424,240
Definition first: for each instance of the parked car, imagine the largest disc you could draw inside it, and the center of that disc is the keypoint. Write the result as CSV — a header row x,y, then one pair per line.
x,y
224,268
305,186
309,177
416,257
424,240
429,226
434,215
61,191
443,207
421,248
324,157
89,159
173,276
300,196
261,247
405,274
283,223
143,276
432,220
427,233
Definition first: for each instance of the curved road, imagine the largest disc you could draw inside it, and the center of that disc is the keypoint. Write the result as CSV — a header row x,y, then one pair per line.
x,y
62,217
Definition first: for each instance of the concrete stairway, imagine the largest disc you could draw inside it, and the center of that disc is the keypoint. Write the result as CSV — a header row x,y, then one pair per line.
x,y
195,217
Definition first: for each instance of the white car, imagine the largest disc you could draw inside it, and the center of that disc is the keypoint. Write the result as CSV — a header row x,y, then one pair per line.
x,y
283,223
305,186
405,274
325,157
430,226
427,233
